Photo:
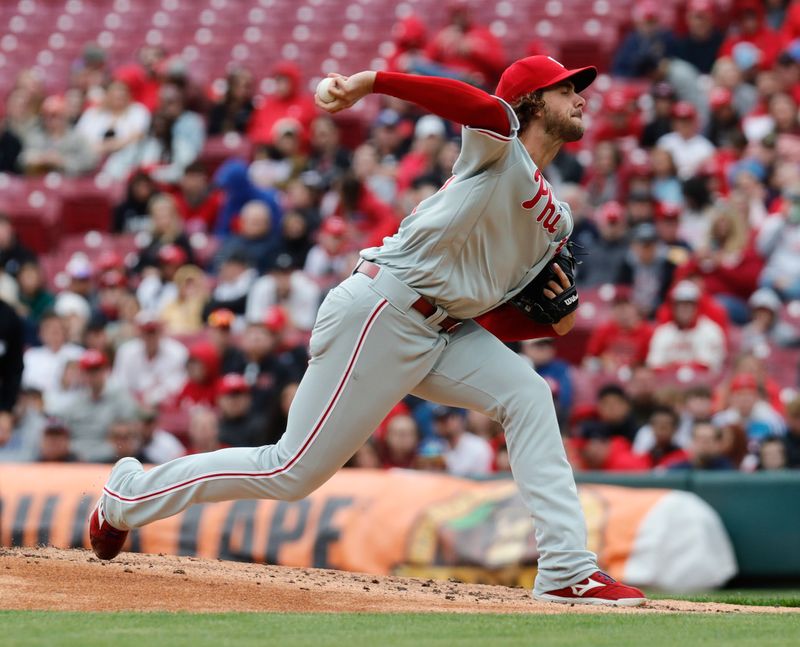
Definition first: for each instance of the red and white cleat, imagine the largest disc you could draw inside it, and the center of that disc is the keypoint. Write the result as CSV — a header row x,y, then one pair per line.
x,y
598,588
106,540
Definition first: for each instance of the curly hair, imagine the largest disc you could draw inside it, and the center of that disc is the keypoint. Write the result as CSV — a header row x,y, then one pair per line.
x,y
527,106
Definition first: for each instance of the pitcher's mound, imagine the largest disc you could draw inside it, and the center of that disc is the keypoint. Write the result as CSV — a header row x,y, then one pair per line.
x,y
74,580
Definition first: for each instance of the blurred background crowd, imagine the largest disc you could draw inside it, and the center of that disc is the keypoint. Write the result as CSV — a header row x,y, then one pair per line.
x,y
167,234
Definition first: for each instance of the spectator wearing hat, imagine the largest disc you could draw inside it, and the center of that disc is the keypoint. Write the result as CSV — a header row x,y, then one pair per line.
x,y
55,145
647,269
255,239
183,314
792,439
703,38
765,328
688,147
114,127
667,223
748,407
705,450
646,41
202,375
158,446
391,136
430,135
151,366
240,424
465,454
777,242
619,118
75,312
132,214
235,280
90,410
268,367
238,189
289,99
288,287
232,112
604,264
158,286
376,174
329,258
466,46
724,128
44,364
689,339
220,323
55,444
623,339
660,123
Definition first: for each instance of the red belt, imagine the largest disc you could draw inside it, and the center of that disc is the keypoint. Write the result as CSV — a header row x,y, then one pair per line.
x,y
421,305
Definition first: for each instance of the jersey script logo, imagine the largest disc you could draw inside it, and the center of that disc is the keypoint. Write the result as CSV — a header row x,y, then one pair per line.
x,y
581,589
549,215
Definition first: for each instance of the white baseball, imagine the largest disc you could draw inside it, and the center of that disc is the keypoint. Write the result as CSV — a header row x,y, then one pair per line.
x,y
324,90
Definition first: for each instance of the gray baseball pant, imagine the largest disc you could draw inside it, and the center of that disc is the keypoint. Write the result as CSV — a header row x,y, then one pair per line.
x,y
369,349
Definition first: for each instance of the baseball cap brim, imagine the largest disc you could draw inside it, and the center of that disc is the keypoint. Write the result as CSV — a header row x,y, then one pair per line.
x,y
581,78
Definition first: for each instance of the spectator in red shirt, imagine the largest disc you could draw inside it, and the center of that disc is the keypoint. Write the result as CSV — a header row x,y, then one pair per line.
x,y
369,219
619,119
465,46
429,138
749,27
197,202
202,373
289,99
598,450
623,340
662,428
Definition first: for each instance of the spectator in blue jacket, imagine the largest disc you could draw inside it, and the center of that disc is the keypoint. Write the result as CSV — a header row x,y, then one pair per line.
x,y
647,42
232,177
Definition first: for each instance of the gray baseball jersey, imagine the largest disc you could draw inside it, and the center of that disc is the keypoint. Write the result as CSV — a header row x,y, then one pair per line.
x,y
468,247
489,230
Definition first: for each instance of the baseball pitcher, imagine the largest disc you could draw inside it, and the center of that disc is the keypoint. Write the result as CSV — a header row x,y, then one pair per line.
x,y
484,260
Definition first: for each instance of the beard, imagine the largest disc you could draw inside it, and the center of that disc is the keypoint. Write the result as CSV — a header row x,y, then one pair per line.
x,y
561,127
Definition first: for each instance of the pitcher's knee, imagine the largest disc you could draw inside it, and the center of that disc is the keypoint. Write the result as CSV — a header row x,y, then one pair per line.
x,y
528,394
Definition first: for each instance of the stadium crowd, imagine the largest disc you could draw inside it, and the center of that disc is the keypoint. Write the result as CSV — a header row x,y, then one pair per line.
x,y
685,193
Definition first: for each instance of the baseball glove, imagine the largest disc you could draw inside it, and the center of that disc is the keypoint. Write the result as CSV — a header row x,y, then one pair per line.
x,y
532,301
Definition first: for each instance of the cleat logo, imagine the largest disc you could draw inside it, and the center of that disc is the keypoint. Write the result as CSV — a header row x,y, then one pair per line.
x,y
581,589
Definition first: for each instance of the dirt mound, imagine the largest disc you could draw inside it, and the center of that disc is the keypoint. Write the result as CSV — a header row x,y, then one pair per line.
x,y
74,580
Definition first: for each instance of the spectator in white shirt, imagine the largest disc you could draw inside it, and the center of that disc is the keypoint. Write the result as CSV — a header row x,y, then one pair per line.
x,y
288,287
689,149
690,339
465,453
160,446
112,127
44,365
151,366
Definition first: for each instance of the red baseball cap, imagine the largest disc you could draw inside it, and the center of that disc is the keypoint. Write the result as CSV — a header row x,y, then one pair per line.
x,y
719,97
611,212
112,279
700,6
172,254
668,211
684,110
743,382
275,319
109,260
92,359
232,383
536,72
334,225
